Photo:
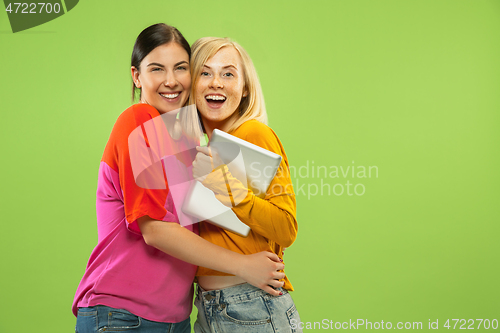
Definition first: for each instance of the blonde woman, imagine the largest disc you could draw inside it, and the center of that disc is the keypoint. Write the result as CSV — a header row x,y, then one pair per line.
x,y
229,97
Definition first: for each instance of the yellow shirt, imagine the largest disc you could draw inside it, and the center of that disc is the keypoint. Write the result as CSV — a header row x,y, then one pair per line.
x,y
272,220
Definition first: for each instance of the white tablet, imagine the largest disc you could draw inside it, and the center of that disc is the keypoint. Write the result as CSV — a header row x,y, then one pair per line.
x,y
251,164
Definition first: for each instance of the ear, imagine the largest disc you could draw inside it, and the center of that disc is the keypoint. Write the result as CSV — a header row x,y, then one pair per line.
x,y
135,76
245,92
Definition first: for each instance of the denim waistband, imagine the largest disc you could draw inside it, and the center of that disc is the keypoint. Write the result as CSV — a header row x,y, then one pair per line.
x,y
235,294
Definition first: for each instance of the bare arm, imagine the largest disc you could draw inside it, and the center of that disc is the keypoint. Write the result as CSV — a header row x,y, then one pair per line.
x,y
259,269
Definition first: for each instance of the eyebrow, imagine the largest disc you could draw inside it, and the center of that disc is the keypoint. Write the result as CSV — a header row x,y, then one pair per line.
x,y
222,67
160,65
156,64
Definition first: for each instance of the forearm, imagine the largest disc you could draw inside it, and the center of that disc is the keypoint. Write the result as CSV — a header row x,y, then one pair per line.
x,y
268,220
263,269
181,243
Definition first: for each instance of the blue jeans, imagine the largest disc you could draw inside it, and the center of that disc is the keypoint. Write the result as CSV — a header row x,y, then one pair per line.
x,y
245,308
102,318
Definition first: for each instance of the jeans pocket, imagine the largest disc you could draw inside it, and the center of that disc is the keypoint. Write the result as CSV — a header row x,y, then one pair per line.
x,y
86,320
252,312
121,321
294,319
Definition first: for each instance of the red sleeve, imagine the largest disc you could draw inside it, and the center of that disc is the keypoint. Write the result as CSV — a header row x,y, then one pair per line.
x,y
135,150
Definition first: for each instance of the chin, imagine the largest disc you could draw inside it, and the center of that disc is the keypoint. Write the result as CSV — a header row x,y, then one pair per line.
x,y
215,119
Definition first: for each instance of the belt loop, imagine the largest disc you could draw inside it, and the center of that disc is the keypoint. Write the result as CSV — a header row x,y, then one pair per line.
x,y
218,296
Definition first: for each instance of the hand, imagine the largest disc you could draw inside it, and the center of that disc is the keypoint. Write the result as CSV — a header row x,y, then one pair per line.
x,y
262,271
205,162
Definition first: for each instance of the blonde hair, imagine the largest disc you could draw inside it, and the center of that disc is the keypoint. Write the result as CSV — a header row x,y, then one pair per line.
x,y
252,106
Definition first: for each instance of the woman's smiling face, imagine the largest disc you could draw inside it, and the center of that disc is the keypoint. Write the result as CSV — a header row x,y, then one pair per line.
x,y
220,88
164,77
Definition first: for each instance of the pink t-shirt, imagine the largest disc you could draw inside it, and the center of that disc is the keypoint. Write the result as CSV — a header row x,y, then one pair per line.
x,y
123,271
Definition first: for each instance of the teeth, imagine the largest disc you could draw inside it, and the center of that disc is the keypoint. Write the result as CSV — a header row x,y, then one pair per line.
x,y
170,95
216,97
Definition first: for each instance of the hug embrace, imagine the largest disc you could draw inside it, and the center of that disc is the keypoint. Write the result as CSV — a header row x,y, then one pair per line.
x,y
141,274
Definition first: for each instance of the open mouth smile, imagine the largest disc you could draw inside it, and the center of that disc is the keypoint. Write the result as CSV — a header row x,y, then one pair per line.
x,y
215,101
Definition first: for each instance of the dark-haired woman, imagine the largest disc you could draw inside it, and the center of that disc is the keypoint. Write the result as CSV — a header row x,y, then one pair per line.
x,y
140,274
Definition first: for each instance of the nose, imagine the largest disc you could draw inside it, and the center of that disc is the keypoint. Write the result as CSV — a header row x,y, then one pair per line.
x,y
216,83
170,80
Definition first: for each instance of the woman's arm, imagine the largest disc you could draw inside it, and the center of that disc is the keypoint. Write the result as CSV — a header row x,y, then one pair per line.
x,y
272,217
259,269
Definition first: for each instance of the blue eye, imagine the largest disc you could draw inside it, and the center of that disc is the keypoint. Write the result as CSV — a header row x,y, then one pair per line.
x,y
228,74
204,74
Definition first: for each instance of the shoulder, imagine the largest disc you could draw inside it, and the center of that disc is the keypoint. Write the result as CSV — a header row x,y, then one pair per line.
x,y
131,118
137,114
253,126
128,121
259,134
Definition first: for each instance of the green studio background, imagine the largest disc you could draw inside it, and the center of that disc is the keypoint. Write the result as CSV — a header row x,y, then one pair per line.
x,y
406,90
